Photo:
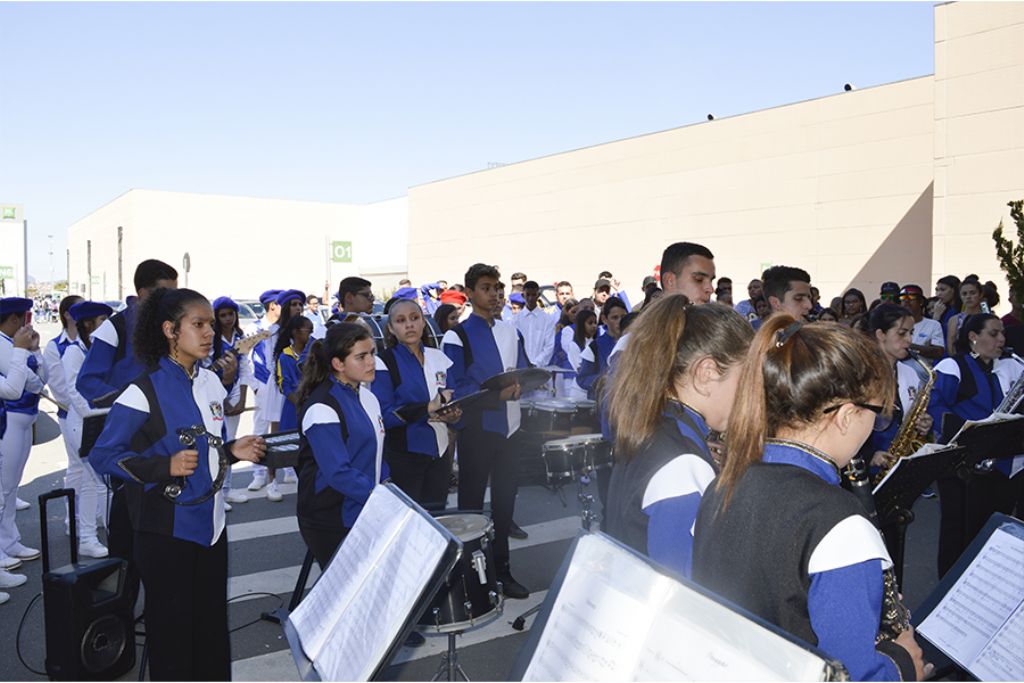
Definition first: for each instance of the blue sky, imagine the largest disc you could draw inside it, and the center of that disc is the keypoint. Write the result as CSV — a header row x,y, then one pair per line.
x,y
355,102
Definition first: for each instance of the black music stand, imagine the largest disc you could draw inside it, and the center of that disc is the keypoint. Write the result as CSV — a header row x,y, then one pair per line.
x,y
899,490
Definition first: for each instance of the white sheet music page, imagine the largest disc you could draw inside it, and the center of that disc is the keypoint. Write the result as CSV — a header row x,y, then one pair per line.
x,y
976,622
617,618
355,610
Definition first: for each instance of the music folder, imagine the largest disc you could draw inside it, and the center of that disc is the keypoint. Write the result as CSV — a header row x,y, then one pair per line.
x,y
909,477
376,587
613,615
975,616
997,436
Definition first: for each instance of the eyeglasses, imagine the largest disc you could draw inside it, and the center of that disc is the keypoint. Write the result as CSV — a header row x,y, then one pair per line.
x,y
367,295
882,421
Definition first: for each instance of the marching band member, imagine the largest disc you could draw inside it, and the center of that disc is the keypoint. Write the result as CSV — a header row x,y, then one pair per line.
x,y
688,268
354,296
594,358
289,304
970,294
179,550
446,316
226,331
967,388
564,327
584,332
87,316
479,348
16,442
431,293
947,291
928,338
261,378
788,290
892,327
289,353
408,383
109,366
14,374
458,299
535,325
58,384
775,533
673,384
341,421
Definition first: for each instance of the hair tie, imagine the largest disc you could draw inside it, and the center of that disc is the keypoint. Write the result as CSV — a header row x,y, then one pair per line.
x,y
785,335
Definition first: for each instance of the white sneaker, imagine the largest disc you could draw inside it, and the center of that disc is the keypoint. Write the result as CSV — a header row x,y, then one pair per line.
x,y
8,580
234,496
7,563
289,476
227,507
23,552
21,505
258,482
273,494
4,597
92,548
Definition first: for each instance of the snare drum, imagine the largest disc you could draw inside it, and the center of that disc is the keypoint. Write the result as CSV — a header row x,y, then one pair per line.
x,y
471,595
563,459
597,453
551,416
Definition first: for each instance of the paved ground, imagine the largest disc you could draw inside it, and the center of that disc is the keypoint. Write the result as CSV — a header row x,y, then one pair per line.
x,y
266,553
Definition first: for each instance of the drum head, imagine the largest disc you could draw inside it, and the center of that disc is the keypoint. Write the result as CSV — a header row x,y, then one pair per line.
x,y
585,439
465,527
586,404
560,444
555,405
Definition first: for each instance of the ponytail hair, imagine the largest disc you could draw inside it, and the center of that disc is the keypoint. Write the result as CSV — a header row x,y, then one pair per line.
x,y
664,343
284,336
974,323
337,343
65,305
794,372
162,305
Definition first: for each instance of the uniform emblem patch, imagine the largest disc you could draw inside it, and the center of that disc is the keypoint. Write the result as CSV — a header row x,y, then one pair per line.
x,y
216,410
441,378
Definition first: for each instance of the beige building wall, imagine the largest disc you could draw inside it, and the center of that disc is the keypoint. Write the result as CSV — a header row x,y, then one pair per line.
x,y
839,185
13,256
979,133
238,246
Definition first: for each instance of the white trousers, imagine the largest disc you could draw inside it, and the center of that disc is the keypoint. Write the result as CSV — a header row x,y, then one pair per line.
x,y
90,493
73,475
231,426
260,424
14,450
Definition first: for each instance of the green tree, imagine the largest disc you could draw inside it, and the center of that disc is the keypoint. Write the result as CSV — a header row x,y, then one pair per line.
x,y
1011,257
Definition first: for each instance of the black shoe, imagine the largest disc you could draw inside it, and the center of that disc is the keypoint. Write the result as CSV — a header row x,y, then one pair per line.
x,y
415,639
515,531
511,588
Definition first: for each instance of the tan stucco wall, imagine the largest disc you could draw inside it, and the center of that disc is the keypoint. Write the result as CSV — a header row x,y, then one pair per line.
x,y
819,184
979,132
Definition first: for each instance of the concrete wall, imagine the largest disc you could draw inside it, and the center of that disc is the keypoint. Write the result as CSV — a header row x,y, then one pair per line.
x,y
13,264
238,246
979,132
832,185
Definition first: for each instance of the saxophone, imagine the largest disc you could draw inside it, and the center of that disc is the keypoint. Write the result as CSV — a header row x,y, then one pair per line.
x,y
1013,397
907,441
895,618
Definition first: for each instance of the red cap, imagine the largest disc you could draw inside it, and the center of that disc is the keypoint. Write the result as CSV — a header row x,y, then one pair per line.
x,y
454,297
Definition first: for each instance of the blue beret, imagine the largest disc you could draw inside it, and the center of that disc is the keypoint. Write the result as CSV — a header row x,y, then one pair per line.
x,y
405,293
517,298
290,294
89,309
269,295
15,304
224,302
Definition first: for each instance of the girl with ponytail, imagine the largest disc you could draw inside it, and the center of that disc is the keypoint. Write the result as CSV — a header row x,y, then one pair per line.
x,y
152,444
340,462
775,533
674,383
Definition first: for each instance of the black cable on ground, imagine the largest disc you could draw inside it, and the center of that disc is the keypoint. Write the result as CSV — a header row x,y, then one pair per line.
x,y
17,637
280,603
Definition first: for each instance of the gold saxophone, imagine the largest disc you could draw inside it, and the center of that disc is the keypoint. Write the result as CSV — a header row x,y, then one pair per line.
x,y
907,441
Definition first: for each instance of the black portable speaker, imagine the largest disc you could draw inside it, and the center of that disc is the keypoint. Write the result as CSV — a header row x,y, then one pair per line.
x,y
87,611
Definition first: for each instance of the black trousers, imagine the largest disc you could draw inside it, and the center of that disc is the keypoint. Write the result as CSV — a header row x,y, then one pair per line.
x,y
322,542
186,607
966,506
120,538
484,455
422,477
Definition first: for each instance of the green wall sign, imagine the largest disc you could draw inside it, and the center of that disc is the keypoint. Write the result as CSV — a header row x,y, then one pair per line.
x,y
341,252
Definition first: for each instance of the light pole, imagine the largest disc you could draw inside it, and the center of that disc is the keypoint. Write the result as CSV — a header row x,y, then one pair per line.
x,y
50,237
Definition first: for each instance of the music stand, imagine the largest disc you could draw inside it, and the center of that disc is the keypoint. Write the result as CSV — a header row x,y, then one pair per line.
x,y
387,552
896,494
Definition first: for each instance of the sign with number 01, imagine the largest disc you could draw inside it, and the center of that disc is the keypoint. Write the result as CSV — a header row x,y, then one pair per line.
x,y
341,252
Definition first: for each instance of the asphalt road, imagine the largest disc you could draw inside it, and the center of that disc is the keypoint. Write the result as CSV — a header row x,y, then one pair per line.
x,y
265,552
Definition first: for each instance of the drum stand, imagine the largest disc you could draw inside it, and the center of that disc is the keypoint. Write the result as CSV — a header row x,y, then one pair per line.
x,y
450,668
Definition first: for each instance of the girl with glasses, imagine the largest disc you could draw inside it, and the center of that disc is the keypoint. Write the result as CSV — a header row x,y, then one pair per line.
x,y
775,532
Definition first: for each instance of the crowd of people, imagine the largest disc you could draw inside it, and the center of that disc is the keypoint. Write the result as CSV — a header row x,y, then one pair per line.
x,y
151,398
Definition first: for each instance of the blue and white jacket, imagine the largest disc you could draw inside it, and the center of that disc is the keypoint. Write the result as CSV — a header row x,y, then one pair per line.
x,y
14,373
28,401
493,349
341,462
416,387
111,363
55,377
141,435
594,362
964,388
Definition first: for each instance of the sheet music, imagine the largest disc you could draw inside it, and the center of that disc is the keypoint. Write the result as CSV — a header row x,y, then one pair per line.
x,y
971,619
355,610
1003,657
991,419
617,618
922,452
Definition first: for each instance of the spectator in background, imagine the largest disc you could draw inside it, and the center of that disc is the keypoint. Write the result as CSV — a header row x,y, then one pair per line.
x,y
1016,314
854,304
947,290
927,338
312,313
723,293
970,295
816,307
889,293
747,308
828,315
